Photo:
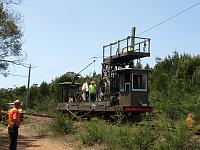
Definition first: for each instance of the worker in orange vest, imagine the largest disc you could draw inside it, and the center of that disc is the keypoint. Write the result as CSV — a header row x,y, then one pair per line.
x,y
190,121
13,124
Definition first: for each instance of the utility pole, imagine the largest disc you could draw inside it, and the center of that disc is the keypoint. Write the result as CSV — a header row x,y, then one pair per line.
x,y
28,87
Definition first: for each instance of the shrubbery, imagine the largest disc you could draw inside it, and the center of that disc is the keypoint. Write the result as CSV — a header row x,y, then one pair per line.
x,y
118,137
163,135
61,125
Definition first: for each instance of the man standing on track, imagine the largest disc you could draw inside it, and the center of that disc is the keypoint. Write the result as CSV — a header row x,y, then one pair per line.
x,y
13,125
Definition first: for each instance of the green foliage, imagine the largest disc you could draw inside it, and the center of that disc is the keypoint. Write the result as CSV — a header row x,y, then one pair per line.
x,y
44,90
34,96
5,123
174,84
47,106
145,138
10,35
118,137
177,138
118,118
94,132
176,73
61,125
67,77
164,135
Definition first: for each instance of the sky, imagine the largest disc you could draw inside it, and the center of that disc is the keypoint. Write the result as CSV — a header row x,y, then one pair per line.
x,y
63,35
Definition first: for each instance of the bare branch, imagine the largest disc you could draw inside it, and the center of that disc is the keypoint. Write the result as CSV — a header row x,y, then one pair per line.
x,y
15,2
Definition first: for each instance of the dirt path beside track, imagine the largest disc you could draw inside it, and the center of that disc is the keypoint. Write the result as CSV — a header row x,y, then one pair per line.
x,y
30,142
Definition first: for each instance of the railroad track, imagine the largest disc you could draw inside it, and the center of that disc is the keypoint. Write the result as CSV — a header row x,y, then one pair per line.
x,y
38,115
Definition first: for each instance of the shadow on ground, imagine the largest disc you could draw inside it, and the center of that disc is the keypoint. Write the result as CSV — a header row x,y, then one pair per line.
x,y
23,141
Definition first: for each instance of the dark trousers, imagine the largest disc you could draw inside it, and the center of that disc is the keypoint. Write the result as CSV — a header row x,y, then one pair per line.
x,y
87,96
13,132
92,97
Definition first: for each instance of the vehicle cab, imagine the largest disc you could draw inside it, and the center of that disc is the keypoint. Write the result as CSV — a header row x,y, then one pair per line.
x,y
133,87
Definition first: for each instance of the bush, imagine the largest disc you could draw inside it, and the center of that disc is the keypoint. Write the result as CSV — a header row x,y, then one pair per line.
x,y
122,137
145,138
166,134
179,139
95,132
61,125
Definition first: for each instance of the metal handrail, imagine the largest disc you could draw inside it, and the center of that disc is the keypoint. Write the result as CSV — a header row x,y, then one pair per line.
x,y
141,46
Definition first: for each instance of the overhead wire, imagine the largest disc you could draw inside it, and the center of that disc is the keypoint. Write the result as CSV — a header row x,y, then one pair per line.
x,y
16,62
164,21
70,65
15,75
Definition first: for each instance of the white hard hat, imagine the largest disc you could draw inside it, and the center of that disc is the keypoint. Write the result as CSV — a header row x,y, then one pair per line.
x,y
17,102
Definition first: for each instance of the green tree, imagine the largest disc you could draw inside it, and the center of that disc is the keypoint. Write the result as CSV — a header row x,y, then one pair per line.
x,y
175,85
44,90
33,96
10,36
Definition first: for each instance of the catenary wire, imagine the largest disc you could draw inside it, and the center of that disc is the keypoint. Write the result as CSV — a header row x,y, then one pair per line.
x,y
177,14
70,65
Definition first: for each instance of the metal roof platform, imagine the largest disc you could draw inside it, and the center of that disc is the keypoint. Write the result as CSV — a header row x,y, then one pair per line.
x,y
126,50
126,57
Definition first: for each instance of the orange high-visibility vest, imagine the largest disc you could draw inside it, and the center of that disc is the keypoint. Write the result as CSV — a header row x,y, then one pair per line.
x,y
13,114
190,122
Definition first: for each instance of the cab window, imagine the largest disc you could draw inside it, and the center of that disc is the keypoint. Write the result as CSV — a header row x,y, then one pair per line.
x,y
139,82
125,82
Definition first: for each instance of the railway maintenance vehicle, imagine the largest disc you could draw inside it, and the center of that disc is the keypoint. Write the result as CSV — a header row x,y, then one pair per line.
x,y
123,87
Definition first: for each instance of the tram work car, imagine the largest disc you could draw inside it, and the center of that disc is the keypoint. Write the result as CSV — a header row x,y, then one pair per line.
x,y
123,87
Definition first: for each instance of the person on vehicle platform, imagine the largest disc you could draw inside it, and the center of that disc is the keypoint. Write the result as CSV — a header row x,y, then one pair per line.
x,y
92,91
85,90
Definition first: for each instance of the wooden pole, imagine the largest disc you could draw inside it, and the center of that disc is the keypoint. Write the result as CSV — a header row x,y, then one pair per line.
x,y
28,87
